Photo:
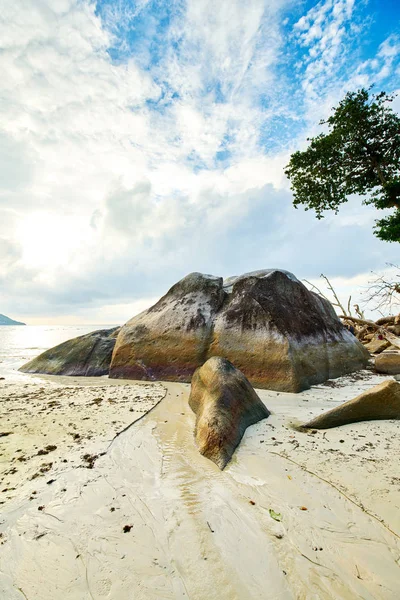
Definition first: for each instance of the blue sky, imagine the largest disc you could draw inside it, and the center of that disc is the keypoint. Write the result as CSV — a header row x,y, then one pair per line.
x,y
143,140
329,37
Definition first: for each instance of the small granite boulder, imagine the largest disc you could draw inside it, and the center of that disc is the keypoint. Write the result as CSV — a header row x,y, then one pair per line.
x,y
380,402
388,362
225,405
87,355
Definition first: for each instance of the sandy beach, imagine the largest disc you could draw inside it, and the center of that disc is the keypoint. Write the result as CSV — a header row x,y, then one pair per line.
x,y
61,422
125,507
199,259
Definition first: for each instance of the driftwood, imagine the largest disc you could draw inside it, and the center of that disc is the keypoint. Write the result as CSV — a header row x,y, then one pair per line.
x,y
393,339
362,329
360,321
386,320
365,330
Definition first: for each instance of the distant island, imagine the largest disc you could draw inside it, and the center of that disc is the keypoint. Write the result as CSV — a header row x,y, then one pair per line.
x,y
7,321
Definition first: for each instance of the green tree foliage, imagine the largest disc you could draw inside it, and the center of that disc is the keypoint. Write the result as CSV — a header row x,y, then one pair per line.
x,y
360,154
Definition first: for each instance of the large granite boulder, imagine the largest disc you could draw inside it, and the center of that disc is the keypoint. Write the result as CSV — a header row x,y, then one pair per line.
x,y
267,323
171,339
380,402
225,404
88,355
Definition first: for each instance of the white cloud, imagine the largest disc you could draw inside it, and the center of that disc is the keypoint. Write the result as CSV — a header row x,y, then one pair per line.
x,y
382,65
323,31
110,184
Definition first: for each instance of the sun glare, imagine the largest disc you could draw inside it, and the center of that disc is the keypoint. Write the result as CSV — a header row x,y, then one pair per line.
x,y
48,240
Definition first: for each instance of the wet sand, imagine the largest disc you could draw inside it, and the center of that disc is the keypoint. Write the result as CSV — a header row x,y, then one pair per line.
x,y
153,519
53,423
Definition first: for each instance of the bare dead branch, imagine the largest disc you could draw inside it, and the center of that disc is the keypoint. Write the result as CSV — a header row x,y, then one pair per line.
x,y
335,301
318,291
361,321
338,303
383,292
359,312
348,306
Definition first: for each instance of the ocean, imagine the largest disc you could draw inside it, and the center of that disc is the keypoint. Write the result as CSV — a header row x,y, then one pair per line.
x,y
22,343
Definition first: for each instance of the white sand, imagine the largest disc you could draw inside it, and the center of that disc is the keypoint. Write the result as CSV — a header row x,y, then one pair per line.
x,y
199,533
54,422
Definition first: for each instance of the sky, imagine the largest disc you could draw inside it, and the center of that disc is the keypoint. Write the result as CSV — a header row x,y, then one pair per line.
x,y
143,140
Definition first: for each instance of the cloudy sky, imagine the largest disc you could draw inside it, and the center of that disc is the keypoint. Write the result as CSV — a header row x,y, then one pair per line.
x,y
142,140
